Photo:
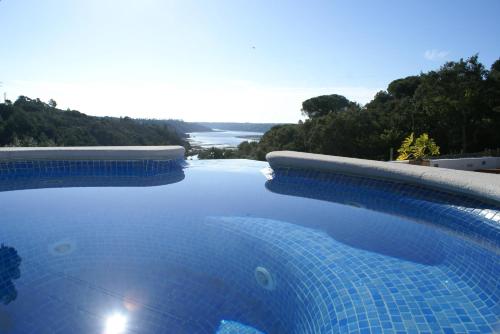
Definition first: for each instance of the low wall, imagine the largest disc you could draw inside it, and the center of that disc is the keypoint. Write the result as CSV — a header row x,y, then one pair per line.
x,y
93,153
467,163
479,185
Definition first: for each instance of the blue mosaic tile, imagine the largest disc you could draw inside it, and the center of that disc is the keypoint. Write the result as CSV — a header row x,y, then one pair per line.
x,y
17,175
463,215
344,254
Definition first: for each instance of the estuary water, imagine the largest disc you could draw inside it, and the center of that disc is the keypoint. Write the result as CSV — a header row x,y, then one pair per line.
x,y
222,138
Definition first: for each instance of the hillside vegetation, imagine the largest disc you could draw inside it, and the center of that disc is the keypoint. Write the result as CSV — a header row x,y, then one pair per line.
x,y
31,122
457,105
180,126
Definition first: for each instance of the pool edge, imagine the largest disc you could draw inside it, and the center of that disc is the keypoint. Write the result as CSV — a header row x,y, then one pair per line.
x,y
482,186
93,153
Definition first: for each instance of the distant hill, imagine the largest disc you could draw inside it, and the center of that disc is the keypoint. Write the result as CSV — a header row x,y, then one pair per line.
x,y
180,126
230,126
31,122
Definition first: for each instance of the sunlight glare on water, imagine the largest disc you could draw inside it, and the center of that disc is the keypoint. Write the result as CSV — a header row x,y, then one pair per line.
x,y
116,324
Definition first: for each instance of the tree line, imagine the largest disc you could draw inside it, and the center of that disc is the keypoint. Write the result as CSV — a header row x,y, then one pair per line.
x,y
32,122
458,105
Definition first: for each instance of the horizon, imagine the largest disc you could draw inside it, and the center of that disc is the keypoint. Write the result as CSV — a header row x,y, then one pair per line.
x,y
228,61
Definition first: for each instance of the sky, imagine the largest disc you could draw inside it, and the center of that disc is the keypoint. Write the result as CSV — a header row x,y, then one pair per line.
x,y
231,60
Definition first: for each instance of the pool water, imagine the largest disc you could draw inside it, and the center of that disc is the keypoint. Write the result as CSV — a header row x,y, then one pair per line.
x,y
232,247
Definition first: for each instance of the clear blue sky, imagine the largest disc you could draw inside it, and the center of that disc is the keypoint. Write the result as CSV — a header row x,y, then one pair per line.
x,y
229,60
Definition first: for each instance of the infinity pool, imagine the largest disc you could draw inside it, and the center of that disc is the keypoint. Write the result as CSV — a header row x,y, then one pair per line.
x,y
233,247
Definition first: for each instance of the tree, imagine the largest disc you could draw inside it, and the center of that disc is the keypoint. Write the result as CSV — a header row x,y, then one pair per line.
x,y
404,87
458,105
452,100
325,104
52,103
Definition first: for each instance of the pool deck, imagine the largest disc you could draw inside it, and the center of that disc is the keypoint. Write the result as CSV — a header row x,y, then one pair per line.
x,y
479,185
93,153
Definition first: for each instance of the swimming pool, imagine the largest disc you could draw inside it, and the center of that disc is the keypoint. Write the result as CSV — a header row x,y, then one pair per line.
x,y
233,247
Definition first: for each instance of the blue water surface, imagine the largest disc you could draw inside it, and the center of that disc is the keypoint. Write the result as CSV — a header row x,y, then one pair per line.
x,y
165,247
222,138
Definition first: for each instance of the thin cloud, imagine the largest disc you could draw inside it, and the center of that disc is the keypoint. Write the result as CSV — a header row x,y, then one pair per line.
x,y
435,54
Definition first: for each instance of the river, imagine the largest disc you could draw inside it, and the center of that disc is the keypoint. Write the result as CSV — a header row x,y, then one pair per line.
x,y
222,138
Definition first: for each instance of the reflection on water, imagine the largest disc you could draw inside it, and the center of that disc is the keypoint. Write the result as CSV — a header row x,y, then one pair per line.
x,y
9,271
115,324
82,173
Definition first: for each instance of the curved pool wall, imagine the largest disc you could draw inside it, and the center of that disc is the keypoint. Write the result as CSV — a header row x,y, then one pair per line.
x,y
461,204
476,259
90,166
36,174
485,187
463,216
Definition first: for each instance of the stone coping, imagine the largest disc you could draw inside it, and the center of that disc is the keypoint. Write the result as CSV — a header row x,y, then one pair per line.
x,y
93,153
479,185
